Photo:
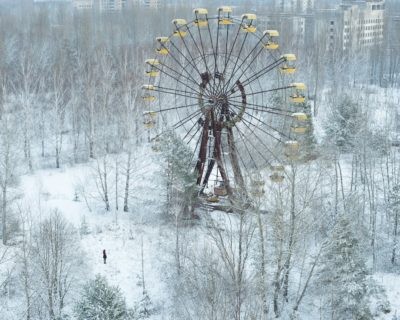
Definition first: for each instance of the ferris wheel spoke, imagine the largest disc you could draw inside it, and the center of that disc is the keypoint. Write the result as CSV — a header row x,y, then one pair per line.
x,y
259,92
233,153
267,125
177,92
264,71
267,111
264,131
257,75
180,64
245,143
263,107
264,123
214,52
190,130
202,52
217,44
191,62
234,70
261,142
180,107
181,122
188,118
192,159
232,47
254,59
176,78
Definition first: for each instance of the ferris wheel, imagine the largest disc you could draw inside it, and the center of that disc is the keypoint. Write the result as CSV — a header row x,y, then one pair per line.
x,y
225,88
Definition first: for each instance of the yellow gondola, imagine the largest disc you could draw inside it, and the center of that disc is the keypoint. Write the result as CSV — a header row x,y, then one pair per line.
x,y
212,199
249,17
225,21
271,36
161,49
220,191
152,62
149,124
277,177
149,98
150,114
298,129
200,11
292,150
297,96
270,45
200,23
180,33
298,86
180,23
300,116
249,28
288,67
201,17
225,9
149,87
271,33
292,145
162,39
150,71
278,167
224,13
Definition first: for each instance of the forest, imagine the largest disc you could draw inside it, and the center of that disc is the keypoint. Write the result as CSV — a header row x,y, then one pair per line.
x,y
80,172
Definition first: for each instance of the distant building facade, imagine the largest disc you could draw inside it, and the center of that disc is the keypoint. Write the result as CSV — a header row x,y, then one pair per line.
x,y
152,3
111,5
102,5
352,26
82,4
363,24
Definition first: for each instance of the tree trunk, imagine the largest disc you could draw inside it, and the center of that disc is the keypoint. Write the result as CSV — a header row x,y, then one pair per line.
x,y
393,260
291,237
4,215
127,182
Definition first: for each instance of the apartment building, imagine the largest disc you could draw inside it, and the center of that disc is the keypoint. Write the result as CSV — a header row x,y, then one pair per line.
x,y
363,24
152,3
111,5
83,4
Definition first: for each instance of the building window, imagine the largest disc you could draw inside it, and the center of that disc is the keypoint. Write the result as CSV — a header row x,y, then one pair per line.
x,y
332,23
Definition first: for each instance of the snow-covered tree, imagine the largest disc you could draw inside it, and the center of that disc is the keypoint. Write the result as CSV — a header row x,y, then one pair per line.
x,y
345,122
56,264
342,277
100,301
394,203
180,180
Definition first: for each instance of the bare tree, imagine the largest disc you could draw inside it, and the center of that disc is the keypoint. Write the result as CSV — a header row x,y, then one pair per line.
x,y
55,252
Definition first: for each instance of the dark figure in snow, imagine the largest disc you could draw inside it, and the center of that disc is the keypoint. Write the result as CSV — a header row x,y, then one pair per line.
x,y
104,256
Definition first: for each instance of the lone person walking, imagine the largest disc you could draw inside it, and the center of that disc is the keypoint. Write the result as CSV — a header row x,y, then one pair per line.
x,y
104,256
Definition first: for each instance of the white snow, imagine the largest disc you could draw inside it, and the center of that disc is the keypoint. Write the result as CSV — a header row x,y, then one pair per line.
x,y
120,234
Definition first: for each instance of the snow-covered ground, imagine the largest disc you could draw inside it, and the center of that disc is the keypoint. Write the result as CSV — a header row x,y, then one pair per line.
x,y
391,283
120,234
